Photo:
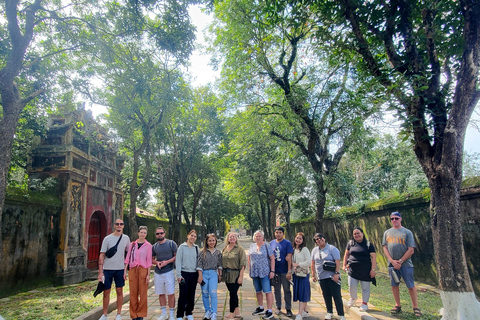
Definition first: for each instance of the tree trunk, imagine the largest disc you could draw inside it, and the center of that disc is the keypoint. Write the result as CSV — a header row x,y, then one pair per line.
x,y
132,214
8,125
320,203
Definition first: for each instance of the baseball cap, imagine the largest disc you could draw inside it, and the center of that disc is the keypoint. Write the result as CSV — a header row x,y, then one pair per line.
x,y
396,214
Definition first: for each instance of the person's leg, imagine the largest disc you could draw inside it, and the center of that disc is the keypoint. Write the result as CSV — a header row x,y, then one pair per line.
x,y
287,293
119,284
269,297
233,289
108,275
170,291
336,291
278,292
352,288
143,292
106,301
213,287
182,299
134,286
407,274
257,285
205,291
301,307
267,289
327,295
365,291
396,295
191,281
159,282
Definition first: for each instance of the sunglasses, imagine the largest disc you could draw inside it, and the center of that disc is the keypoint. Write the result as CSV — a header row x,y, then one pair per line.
x,y
316,239
157,233
119,223
394,219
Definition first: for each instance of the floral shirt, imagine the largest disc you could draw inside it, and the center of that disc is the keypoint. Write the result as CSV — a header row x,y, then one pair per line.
x,y
259,260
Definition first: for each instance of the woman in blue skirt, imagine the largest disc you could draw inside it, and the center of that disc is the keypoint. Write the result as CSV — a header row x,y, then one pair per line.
x,y
301,274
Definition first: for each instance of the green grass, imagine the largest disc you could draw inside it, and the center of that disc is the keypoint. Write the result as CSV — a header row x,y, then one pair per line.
x,y
66,302
381,297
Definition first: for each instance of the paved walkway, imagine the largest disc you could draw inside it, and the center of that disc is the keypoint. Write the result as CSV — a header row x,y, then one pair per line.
x,y
316,306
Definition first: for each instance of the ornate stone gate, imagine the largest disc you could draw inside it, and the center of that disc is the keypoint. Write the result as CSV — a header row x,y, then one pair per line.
x,y
77,152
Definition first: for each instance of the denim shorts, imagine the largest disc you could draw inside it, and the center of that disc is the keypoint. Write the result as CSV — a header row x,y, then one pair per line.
x,y
262,284
111,275
406,273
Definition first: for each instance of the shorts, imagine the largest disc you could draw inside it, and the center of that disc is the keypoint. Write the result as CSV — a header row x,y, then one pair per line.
x,y
262,284
164,282
111,275
406,273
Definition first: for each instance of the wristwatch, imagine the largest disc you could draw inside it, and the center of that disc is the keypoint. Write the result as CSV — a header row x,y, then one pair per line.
x,y
336,272
400,260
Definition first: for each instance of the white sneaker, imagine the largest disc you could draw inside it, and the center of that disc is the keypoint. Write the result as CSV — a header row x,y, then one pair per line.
x,y
163,316
213,316
190,317
118,317
351,303
305,314
329,316
207,315
172,317
298,317
364,307
341,318
179,318
103,317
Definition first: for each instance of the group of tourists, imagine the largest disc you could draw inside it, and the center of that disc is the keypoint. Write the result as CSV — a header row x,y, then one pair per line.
x,y
278,264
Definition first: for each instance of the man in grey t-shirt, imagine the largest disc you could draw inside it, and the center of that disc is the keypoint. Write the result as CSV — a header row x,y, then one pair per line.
x,y
399,246
110,269
164,252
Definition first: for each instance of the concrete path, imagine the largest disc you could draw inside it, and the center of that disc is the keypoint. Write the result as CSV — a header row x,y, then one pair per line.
x,y
248,303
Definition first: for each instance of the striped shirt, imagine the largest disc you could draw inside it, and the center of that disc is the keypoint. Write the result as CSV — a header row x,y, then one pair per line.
x,y
210,261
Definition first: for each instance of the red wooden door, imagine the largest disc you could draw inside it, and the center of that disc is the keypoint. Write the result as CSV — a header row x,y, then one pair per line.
x,y
95,238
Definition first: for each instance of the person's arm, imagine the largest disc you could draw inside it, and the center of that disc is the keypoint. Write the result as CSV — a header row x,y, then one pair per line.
x,y
373,258
101,260
397,264
314,271
345,259
272,267
178,263
200,266
410,251
243,261
336,276
288,258
148,257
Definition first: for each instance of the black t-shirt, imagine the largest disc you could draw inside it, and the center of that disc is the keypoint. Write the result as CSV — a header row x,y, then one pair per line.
x,y
360,261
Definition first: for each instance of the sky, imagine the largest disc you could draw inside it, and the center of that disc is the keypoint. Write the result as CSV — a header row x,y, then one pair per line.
x,y
202,73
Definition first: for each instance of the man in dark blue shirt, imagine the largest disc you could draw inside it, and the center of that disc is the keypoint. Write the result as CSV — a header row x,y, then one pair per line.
x,y
283,251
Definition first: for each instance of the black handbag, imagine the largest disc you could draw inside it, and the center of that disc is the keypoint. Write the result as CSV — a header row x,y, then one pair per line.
x,y
111,252
329,265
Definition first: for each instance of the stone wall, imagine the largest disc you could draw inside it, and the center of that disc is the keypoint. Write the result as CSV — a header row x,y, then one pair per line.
x,y
416,218
30,230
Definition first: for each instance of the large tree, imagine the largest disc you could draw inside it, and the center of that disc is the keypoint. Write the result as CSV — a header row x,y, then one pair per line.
x,y
426,56
38,31
271,59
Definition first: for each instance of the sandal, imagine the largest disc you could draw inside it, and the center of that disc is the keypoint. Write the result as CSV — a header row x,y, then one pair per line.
x,y
417,312
396,310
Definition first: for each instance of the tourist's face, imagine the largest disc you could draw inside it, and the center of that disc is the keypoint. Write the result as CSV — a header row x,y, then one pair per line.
x,y
278,234
142,234
212,242
119,225
192,237
298,240
258,237
357,235
320,242
396,221
232,238
160,234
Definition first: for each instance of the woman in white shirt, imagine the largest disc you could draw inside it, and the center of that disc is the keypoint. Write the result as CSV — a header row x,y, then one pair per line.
x,y
301,274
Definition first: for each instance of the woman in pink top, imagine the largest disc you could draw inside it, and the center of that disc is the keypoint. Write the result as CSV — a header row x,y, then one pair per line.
x,y
139,261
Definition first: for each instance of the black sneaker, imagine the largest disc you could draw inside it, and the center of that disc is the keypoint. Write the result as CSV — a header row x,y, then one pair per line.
x,y
289,313
268,315
258,311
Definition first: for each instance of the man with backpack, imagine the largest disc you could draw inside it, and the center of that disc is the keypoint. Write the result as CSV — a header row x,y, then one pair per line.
x,y
164,252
